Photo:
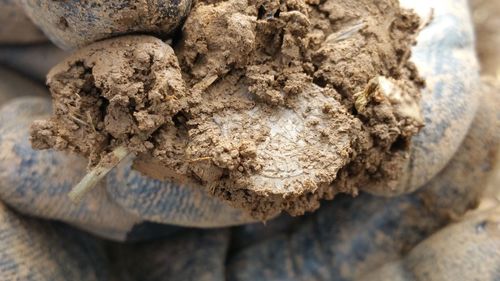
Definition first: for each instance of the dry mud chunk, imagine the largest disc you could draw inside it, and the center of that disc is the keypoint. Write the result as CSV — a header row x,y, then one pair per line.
x,y
290,101
318,98
216,39
269,159
111,93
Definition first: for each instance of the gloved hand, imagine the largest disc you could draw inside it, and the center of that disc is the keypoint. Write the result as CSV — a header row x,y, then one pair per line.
x,y
16,27
351,239
32,183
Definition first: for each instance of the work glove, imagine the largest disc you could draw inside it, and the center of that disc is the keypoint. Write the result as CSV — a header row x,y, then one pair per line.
x,y
16,27
330,243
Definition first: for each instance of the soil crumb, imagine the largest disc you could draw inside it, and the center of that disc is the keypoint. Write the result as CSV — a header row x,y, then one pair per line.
x,y
271,105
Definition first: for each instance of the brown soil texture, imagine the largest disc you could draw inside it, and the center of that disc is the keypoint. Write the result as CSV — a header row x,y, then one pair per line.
x,y
113,92
270,105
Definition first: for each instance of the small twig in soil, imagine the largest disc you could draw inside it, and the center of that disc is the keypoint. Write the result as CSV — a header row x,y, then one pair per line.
x,y
91,122
199,159
78,120
204,84
97,173
345,33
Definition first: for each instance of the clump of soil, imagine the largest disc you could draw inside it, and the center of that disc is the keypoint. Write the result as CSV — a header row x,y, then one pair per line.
x,y
115,92
285,102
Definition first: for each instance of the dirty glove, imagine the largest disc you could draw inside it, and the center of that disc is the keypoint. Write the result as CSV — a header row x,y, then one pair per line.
x,y
128,198
31,182
369,238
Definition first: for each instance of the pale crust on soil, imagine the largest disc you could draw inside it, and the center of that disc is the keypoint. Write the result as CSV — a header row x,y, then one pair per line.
x,y
278,104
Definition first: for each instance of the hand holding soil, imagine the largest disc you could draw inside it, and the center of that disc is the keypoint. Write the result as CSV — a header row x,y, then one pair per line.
x,y
270,106
284,108
263,116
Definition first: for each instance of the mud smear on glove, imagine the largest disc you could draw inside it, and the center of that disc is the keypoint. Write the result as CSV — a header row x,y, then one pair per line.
x,y
280,104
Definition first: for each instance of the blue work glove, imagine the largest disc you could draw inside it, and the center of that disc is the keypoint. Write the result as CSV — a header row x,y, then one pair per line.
x,y
343,234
